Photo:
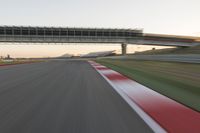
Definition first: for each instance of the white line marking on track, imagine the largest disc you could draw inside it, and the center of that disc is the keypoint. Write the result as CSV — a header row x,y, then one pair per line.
x,y
149,121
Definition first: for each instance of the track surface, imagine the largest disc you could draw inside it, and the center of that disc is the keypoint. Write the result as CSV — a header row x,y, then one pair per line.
x,y
62,96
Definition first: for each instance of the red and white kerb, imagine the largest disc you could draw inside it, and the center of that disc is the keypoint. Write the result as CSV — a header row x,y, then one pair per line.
x,y
161,113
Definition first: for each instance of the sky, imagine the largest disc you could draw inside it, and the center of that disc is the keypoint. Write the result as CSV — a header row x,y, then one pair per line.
x,y
179,17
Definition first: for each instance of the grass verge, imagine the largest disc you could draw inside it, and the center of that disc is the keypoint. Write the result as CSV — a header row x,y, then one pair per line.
x,y
18,62
189,50
179,81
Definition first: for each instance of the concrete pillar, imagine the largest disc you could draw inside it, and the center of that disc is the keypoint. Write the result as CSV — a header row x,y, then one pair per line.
x,y
124,46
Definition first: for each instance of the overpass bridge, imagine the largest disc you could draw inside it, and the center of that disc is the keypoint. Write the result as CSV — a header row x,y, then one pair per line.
x,y
20,34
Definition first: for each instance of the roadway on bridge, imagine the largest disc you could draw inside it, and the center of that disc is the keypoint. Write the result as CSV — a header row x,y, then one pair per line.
x,y
62,96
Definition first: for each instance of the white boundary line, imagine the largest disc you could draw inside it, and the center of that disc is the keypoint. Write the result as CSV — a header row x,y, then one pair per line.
x,y
149,121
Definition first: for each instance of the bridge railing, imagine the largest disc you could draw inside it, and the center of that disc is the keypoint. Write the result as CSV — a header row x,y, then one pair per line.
x,y
67,39
65,32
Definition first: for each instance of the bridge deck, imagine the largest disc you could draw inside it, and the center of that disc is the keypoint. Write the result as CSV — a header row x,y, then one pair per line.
x,y
89,35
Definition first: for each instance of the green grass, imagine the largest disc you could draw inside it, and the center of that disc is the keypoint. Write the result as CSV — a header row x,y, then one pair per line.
x,y
189,50
179,81
18,62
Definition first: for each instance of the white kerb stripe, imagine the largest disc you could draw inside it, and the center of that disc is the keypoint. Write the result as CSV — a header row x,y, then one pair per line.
x,y
149,121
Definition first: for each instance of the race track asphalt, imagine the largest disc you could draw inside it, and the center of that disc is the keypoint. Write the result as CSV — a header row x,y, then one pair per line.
x,y
62,97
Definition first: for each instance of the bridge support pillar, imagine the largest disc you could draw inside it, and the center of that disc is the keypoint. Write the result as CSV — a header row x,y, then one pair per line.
x,y
124,47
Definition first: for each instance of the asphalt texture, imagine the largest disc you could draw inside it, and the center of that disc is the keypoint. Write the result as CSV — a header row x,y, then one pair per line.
x,y
62,97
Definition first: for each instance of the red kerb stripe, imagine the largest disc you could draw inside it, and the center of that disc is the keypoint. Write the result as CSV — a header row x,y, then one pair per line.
x,y
115,76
